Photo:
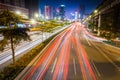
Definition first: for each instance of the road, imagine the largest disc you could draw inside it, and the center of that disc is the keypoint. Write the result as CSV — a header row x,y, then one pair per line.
x,y
24,47
75,54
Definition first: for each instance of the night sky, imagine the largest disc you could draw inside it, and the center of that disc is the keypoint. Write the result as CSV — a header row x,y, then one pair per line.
x,y
72,5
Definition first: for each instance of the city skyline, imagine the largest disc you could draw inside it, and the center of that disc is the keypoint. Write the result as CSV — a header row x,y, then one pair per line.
x,y
54,46
71,5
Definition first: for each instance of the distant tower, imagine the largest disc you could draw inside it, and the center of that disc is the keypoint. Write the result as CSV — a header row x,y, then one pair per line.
x,y
47,12
54,13
81,11
62,12
51,13
76,15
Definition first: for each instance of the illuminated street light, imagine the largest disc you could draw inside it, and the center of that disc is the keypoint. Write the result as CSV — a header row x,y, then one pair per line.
x,y
18,12
33,21
36,15
95,11
47,17
90,16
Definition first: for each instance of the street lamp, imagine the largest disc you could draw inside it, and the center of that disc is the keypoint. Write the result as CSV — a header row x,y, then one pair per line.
x,y
18,12
86,18
33,21
36,15
90,16
95,11
47,17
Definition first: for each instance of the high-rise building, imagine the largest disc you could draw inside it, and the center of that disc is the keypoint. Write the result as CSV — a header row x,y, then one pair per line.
x,y
16,2
22,3
47,12
33,6
17,6
6,1
51,13
54,13
19,3
62,12
81,11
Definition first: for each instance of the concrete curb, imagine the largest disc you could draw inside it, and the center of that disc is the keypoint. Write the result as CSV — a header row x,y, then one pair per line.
x,y
111,46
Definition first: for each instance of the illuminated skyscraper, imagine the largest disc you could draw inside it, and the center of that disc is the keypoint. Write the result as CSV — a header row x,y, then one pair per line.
x,y
19,3
62,12
47,12
81,11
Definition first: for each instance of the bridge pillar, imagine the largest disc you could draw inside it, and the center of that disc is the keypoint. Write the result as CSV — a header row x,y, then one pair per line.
x,y
99,24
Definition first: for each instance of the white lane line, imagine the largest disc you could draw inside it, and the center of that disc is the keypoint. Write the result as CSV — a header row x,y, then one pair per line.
x,y
96,68
112,62
74,66
72,45
87,40
54,65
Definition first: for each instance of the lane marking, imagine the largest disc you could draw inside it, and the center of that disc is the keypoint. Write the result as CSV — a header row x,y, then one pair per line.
x,y
74,66
114,64
72,45
87,40
96,69
54,65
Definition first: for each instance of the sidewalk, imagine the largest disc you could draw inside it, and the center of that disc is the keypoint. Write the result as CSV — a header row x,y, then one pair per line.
x,y
112,43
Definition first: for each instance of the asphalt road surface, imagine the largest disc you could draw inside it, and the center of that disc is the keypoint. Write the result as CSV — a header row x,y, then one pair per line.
x,y
75,54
